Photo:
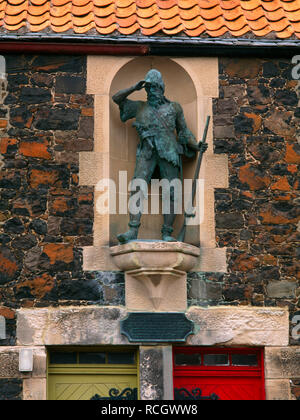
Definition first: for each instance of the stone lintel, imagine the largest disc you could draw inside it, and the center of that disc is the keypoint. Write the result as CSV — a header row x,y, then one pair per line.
x,y
244,326
90,325
95,325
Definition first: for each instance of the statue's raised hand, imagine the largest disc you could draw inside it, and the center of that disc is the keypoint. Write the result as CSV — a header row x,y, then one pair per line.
x,y
140,85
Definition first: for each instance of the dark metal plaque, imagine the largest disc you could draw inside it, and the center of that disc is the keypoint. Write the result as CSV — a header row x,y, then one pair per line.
x,y
157,327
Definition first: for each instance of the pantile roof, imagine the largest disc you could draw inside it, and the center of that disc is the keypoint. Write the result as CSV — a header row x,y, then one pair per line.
x,y
194,18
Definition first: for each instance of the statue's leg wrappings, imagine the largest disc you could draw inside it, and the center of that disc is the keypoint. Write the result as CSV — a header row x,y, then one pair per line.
x,y
171,173
143,170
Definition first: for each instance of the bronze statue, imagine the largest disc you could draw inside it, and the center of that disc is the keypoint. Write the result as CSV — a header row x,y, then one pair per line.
x,y
164,138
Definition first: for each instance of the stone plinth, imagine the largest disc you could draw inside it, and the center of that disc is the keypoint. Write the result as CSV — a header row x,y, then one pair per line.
x,y
155,273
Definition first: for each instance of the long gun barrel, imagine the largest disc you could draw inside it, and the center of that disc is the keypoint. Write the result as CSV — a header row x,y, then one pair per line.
x,y
182,232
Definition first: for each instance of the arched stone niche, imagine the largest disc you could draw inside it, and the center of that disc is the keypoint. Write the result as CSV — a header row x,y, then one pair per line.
x,y
193,82
123,137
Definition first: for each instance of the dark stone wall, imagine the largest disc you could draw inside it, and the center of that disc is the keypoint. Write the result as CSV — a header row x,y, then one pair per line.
x,y
256,120
11,389
46,119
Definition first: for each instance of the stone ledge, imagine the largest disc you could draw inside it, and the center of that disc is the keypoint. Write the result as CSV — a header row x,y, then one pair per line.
x,y
246,326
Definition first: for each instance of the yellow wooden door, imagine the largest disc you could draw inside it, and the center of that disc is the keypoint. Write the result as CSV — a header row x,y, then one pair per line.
x,y
84,387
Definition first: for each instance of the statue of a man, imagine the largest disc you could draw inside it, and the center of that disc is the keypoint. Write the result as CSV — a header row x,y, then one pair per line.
x,y
164,137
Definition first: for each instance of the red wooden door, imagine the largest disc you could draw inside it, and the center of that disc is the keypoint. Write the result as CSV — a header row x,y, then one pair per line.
x,y
226,374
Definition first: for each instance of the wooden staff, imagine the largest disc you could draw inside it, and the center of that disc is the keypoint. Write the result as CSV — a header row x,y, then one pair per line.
x,y
181,235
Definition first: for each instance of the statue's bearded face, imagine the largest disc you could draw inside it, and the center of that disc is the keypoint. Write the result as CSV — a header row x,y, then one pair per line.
x,y
154,93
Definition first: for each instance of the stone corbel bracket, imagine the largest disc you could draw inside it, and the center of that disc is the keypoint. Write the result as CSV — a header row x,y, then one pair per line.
x,y
155,274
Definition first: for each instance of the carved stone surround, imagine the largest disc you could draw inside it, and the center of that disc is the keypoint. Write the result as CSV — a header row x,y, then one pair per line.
x,y
115,147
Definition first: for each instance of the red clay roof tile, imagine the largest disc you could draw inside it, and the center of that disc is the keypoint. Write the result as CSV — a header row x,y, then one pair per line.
x,y
148,12
149,23
103,3
271,6
250,4
291,6
205,4
241,32
166,4
153,30
61,11
38,28
229,4
16,2
193,24
296,26
15,27
14,10
38,20
286,33
129,30
190,13
59,3
39,2
80,3
38,10
232,14
259,24
82,10
190,17
218,33
236,25
108,30
104,11
126,22
173,31
123,12
254,14
83,29
293,16
62,28
145,3
123,3
195,32
105,22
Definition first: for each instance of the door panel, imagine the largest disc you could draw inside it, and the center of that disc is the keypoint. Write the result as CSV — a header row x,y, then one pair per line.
x,y
237,388
84,387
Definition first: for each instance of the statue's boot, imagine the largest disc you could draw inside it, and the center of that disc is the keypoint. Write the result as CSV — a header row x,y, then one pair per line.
x,y
132,233
166,234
